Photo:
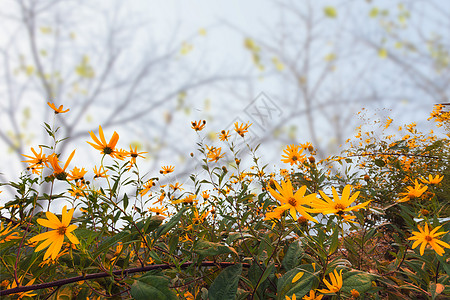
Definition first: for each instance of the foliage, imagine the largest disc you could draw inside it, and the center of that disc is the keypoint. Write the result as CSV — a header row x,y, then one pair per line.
x,y
342,227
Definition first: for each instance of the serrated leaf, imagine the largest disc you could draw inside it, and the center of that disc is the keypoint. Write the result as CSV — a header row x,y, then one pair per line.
x,y
225,285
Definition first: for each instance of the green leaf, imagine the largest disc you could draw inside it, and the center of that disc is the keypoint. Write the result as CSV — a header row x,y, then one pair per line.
x,y
225,285
334,240
379,162
206,248
300,288
357,280
293,256
330,11
107,243
169,225
152,287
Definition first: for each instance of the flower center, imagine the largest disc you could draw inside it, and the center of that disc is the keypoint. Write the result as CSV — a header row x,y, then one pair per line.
x,y
292,201
294,158
134,155
62,230
428,238
107,150
339,207
61,176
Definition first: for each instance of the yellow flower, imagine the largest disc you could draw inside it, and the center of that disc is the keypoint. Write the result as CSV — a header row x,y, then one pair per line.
x,y
24,294
312,296
413,192
190,199
292,202
102,145
58,110
426,237
293,297
293,155
432,180
58,172
336,283
338,205
6,235
55,238
355,293
158,211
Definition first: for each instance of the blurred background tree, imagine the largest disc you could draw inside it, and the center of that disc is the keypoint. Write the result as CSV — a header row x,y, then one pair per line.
x,y
146,69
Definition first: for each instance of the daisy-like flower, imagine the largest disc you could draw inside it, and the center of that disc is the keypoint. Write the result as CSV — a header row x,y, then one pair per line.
x,y
335,285
37,162
54,239
6,235
293,297
98,173
167,169
158,211
224,135
432,180
134,154
293,202
214,154
413,192
425,237
58,172
58,110
146,187
205,195
76,174
198,126
102,145
292,155
176,186
312,296
338,205
190,199
77,190
23,294
241,129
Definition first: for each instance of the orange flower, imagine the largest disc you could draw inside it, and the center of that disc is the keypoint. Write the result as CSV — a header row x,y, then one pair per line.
x,y
58,110
101,145
58,172
167,169
224,135
241,129
198,126
293,155
37,162
214,154
99,173
432,180
76,173
134,154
